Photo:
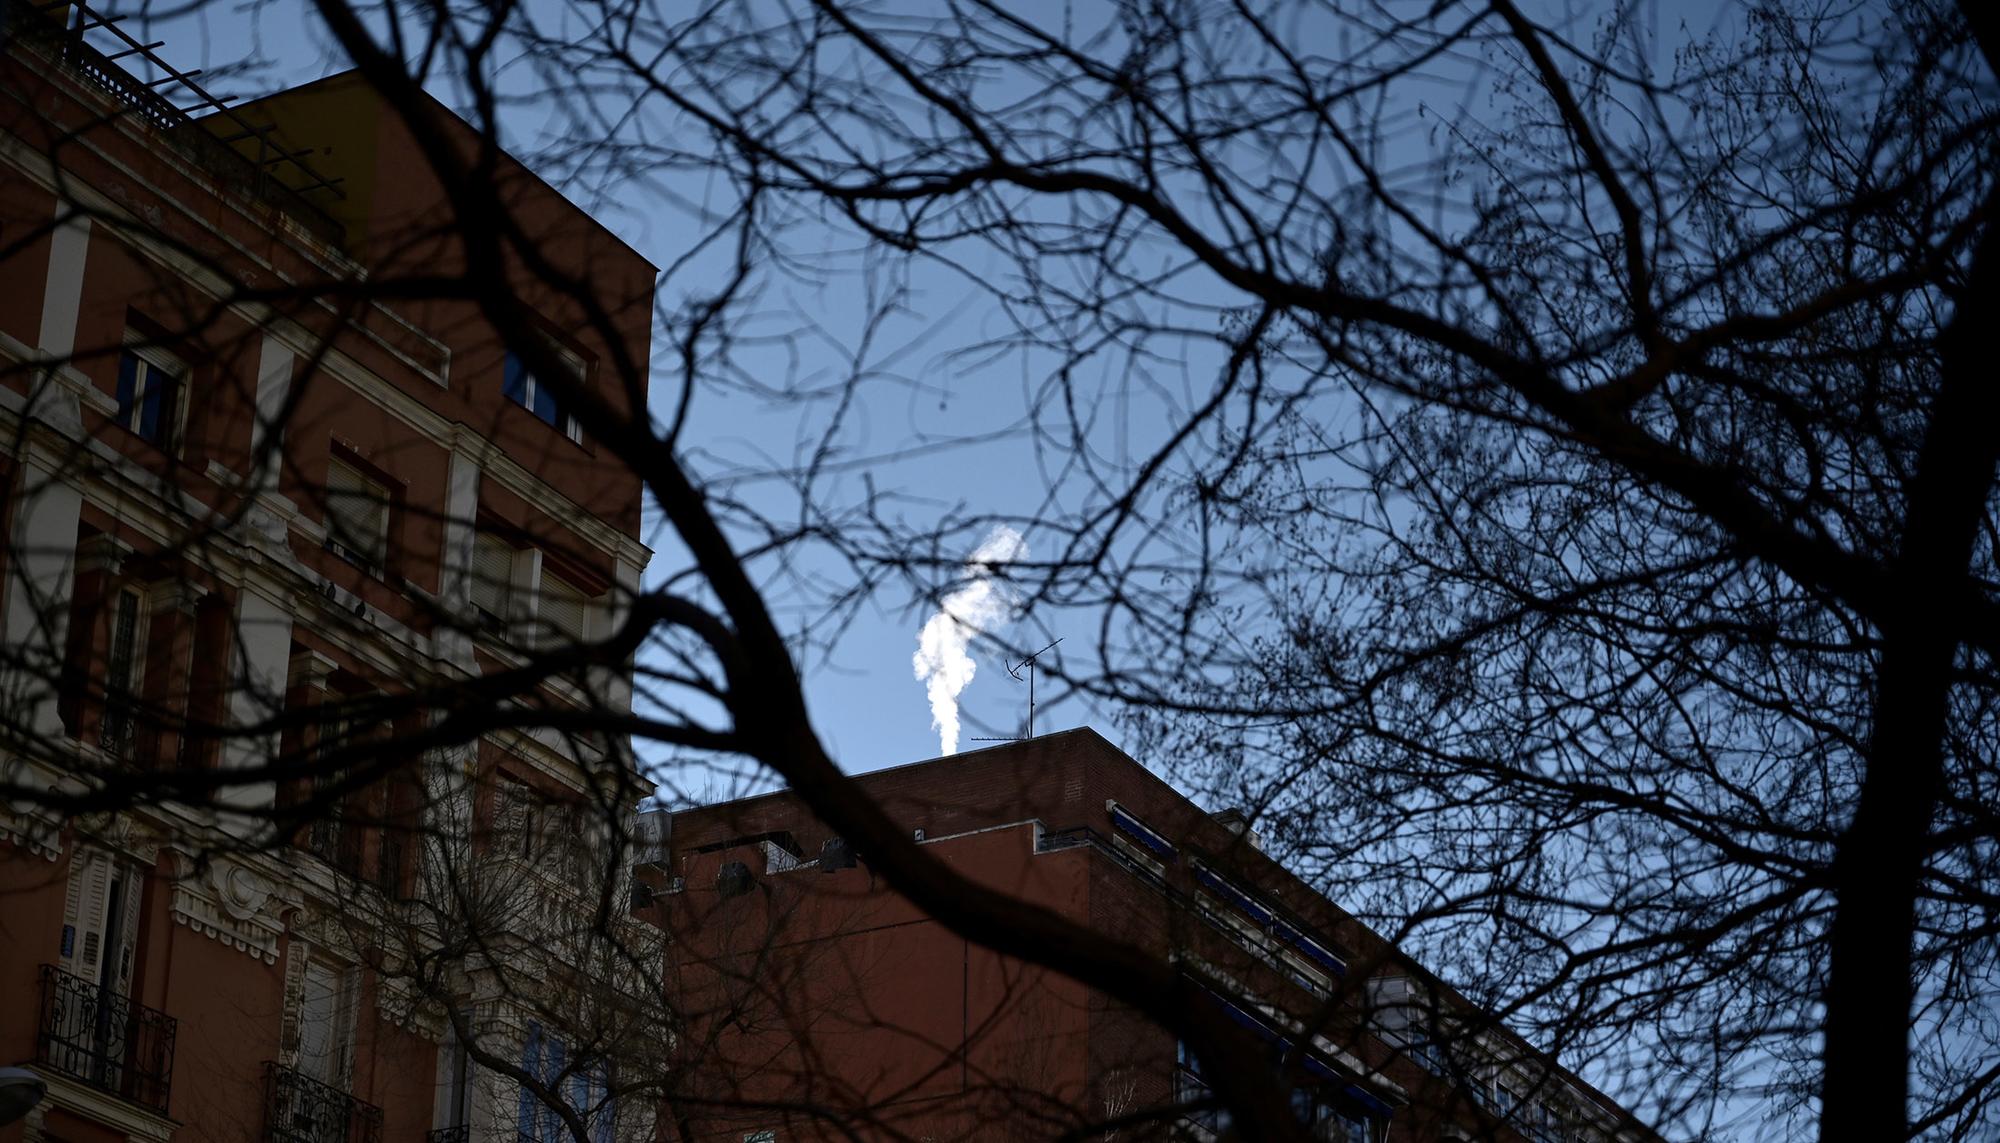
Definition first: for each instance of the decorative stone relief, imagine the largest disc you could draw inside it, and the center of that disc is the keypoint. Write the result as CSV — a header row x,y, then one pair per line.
x,y
29,830
403,1004
233,904
122,833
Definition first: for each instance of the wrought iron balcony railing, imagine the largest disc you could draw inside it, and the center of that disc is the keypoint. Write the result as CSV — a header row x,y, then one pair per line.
x,y
301,1109
91,1033
459,1134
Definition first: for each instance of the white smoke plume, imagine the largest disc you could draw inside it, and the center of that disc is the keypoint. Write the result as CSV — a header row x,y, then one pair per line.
x,y
941,662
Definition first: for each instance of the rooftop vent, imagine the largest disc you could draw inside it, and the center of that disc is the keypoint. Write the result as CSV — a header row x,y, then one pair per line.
x,y
650,834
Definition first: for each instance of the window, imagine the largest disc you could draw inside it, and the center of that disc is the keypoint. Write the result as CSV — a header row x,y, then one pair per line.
x,y
565,610
357,517
454,1107
87,1031
325,1023
544,831
515,825
492,574
331,836
583,1084
149,394
100,932
1191,1088
526,390
115,734
1335,1113
1428,1055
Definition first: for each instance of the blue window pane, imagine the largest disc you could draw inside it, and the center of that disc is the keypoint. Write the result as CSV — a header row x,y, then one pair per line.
x,y
555,1058
531,1062
128,384
514,382
153,407
545,405
607,1117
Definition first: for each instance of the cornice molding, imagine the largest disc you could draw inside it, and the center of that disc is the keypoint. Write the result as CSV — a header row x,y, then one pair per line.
x,y
129,1119
234,904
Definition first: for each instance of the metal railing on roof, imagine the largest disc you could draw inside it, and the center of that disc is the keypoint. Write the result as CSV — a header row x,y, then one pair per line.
x,y
63,28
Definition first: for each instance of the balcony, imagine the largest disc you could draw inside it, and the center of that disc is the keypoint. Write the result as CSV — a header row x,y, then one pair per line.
x,y
61,30
450,1135
90,1033
300,1109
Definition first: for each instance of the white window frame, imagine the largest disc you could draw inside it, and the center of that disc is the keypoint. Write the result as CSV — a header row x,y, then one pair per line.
x,y
531,385
154,360
324,1000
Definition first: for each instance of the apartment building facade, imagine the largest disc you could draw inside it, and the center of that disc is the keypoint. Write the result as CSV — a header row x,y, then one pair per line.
x,y
255,497
819,1002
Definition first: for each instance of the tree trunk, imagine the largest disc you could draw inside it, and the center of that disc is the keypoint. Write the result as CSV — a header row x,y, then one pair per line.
x,y
1880,863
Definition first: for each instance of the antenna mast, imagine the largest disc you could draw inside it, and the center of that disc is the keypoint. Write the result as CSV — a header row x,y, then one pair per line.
x,y
1029,663
1014,672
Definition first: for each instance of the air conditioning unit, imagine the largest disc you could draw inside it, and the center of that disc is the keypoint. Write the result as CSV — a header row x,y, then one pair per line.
x,y
651,834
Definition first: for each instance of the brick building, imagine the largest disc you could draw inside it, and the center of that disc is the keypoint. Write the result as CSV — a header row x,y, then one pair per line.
x,y
251,496
819,1002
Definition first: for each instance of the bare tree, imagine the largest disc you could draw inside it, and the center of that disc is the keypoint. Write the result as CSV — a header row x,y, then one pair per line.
x,y
1548,482
1567,512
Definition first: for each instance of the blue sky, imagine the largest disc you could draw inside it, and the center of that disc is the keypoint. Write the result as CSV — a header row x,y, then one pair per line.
x,y
866,702
960,413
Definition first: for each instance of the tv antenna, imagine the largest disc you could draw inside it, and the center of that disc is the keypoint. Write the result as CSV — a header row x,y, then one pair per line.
x,y
1014,672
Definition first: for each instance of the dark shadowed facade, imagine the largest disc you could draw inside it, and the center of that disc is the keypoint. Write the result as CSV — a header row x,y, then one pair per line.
x,y
820,1002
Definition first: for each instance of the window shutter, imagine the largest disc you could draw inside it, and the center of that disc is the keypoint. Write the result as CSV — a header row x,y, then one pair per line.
x,y
357,511
492,574
347,1012
295,990
127,949
83,911
564,610
319,1008
90,884
72,909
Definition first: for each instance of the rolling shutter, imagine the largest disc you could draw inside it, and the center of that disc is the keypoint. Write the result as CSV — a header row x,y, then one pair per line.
x,y
492,574
357,514
565,610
